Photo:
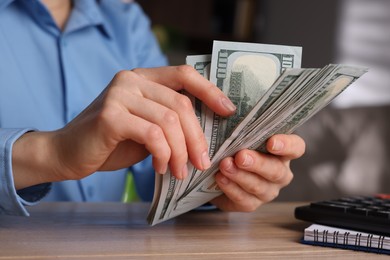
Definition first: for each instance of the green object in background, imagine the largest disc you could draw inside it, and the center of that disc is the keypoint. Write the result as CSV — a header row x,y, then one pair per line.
x,y
169,38
130,192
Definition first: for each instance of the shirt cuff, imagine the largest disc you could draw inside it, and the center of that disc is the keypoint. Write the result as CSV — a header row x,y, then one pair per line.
x,y
11,201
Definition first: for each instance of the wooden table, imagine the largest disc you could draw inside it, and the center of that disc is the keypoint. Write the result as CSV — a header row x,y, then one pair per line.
x,y
120,231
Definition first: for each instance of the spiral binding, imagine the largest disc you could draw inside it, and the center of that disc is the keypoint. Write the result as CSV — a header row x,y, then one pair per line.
x,y
367,240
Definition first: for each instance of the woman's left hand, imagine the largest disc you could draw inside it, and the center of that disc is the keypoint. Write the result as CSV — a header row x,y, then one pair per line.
x,y
250,179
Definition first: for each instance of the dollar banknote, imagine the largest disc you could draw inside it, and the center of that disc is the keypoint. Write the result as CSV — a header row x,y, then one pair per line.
x,y
272,95
243,71
167,187
294,105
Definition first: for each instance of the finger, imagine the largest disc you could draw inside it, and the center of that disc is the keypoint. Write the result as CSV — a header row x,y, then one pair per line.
x,y
186,77
289,146
169,122
131,87
234,198
193,133
270,167
152,137
194,137
251,182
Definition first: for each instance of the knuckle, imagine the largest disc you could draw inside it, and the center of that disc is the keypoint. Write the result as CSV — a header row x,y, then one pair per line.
x,y
271,195
107,113
115,92
262,193
184,103
170,117
140,72
255,189
277,176
185,69
154,134
238,199
124,75
181,157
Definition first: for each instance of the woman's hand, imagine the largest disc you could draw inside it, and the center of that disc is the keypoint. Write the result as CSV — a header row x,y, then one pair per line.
x,y
140,112
250,179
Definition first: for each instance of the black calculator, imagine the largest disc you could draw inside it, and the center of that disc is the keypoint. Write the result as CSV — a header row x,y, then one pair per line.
x,y
370,214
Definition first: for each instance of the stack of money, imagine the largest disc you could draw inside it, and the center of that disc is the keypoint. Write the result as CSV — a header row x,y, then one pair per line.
x,y
273,95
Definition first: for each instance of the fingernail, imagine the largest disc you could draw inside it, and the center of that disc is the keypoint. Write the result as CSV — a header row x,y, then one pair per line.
x,y
229,167
228,104
184,172
205,160
248,160
162,170
224,180
277,146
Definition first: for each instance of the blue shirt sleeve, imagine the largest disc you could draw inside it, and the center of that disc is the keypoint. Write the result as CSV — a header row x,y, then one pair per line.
x,y
47,91
11,202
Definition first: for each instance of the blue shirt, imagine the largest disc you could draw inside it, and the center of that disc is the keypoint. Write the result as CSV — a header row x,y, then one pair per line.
x,y
48,76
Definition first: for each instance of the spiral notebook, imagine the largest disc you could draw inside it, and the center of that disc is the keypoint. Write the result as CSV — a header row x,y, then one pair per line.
x,y
328,236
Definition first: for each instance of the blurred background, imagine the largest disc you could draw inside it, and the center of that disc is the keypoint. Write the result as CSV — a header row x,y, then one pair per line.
x,y
348,142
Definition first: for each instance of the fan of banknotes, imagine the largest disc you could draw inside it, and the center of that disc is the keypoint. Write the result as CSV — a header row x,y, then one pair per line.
x,y
272,94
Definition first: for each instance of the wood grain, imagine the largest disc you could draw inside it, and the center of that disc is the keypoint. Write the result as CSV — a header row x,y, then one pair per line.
x,y
119,231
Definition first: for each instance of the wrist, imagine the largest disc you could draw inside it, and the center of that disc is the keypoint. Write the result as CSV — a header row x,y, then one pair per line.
x,y
33,160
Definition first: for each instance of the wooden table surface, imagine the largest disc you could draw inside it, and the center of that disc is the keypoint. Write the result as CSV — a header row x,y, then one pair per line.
x,y
119,231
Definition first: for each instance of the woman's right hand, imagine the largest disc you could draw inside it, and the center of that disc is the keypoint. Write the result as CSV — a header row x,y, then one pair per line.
x,y
140,112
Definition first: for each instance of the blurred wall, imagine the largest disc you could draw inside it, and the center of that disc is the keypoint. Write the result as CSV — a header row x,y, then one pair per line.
x,y
192,25
332,136
307,23
348,142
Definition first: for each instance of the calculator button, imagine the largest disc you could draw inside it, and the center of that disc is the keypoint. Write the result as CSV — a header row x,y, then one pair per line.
x,y
359,211
380,213
329,206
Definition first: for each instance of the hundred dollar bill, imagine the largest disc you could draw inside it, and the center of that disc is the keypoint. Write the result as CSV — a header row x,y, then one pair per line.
x,y
263,109
202,64
205,188
307,99
167,187
293,83
244,72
